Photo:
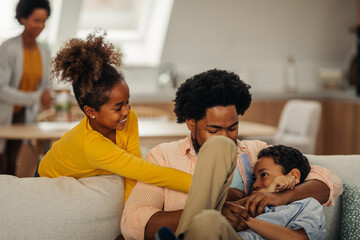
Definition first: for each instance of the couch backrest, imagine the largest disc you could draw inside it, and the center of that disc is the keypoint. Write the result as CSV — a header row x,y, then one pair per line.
x,y
61,208
346,167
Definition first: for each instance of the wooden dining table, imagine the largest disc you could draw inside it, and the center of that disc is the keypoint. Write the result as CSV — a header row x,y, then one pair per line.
x,y
149,130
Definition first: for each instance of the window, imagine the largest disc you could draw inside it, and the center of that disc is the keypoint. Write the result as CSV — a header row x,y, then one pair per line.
x,y
137,27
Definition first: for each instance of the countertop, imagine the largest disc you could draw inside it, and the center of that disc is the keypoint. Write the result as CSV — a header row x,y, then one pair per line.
x,y
169,95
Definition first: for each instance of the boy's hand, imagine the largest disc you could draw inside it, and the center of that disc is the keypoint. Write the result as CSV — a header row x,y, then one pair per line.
x,y
256,202
236,215
281,183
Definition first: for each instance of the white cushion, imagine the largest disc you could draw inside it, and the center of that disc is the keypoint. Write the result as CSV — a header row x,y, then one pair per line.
x,y
61,208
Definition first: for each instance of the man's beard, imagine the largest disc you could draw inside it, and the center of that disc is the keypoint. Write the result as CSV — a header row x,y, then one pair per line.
x,y
196,143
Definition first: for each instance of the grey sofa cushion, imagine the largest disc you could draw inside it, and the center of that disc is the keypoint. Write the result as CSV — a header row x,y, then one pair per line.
x,y
61,208
346,167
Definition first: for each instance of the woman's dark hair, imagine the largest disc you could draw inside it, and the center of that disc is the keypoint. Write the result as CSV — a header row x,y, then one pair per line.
x,y
89,65
24,8
288,158
210,89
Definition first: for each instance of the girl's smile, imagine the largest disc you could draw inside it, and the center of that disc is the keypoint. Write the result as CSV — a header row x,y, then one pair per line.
x,y
123,122
113,114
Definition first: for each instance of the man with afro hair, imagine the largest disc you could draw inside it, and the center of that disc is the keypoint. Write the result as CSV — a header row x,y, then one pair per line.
x,y
210,104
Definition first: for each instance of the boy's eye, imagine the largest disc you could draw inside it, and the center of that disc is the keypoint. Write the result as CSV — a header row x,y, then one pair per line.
x,y
264,174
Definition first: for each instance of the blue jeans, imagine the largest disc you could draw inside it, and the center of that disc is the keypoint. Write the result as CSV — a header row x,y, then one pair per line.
x,y
36,172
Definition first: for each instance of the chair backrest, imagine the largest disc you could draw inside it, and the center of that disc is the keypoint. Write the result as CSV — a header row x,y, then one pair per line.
x,y
49,115
151,113
46,115
299,123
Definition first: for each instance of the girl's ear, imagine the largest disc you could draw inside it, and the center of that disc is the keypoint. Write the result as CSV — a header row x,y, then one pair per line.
x,y
190,123
89,111
296,173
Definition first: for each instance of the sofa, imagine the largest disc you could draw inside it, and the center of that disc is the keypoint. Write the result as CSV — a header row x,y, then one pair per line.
x,y
91,208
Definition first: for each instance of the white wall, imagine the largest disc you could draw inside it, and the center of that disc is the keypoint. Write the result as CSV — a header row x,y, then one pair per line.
x,y
254,38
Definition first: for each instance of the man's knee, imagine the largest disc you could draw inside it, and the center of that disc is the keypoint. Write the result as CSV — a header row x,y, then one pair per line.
x,y
219,144
219,147
219,141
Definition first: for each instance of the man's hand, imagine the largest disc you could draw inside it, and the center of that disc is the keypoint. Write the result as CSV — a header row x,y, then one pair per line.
x,y
256,202
236,215
235,194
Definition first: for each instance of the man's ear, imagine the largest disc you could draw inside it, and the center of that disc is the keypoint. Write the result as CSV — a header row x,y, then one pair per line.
x,y
89,111
296,173
190,123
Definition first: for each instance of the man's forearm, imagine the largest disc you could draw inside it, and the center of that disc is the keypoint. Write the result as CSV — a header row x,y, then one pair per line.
x,y
160,219
311,188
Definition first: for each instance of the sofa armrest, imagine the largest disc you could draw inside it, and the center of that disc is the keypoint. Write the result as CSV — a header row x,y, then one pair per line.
x,y
61,208
346,168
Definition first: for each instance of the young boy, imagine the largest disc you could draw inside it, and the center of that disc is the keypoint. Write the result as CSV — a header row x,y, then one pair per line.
x,y
276,170
279,168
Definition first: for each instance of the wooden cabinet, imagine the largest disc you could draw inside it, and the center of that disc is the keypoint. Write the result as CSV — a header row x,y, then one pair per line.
x,y
356,144
267,112
337,131
340,131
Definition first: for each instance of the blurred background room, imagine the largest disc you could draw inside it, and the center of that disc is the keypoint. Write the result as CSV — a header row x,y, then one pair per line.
x,y
285,49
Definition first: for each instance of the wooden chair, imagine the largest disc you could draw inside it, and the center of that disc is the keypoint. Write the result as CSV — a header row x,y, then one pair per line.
x,y
50,115
151,113
46,115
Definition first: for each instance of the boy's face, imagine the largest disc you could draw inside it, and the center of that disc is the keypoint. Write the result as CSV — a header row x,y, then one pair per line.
x,y
265,171
219,120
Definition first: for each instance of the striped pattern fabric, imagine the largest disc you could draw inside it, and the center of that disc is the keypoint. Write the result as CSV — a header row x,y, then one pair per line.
x,y
145,199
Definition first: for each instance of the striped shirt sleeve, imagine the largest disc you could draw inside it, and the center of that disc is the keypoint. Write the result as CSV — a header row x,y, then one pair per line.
x,y
330,179
144,201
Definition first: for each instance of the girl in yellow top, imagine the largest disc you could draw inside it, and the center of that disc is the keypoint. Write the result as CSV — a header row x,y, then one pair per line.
x,y
106,141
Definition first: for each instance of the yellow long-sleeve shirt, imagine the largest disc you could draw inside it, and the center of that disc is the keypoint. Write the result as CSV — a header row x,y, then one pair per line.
x,y
84,152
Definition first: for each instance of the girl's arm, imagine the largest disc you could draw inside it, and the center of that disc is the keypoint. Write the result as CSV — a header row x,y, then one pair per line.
x,y
272,231
104,154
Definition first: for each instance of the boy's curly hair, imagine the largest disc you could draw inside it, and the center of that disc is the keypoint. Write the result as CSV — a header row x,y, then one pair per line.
x,y
210,89
288,158
89,65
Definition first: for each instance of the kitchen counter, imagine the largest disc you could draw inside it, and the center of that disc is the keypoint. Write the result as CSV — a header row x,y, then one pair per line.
x,y
169,95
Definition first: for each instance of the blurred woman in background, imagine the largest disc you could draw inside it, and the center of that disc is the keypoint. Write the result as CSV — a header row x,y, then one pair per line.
x,y
24,76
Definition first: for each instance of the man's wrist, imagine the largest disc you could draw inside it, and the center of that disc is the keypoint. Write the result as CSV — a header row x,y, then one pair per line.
x,y
287,196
